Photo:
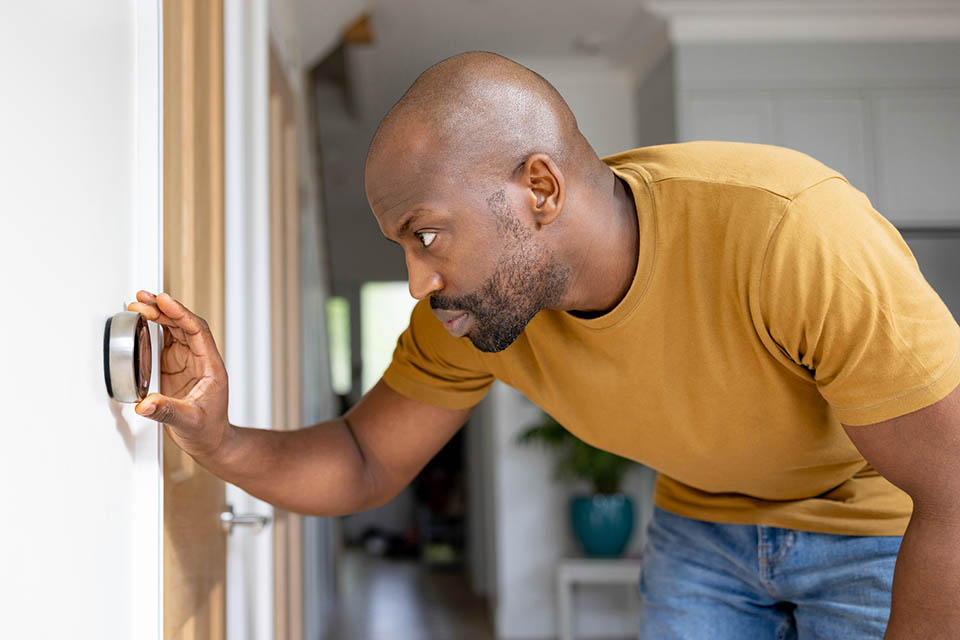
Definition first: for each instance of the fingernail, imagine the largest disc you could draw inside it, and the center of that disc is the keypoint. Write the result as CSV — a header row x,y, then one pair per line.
x,y
146,410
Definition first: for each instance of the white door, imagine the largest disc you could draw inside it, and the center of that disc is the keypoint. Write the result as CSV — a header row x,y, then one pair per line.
x,y
80,206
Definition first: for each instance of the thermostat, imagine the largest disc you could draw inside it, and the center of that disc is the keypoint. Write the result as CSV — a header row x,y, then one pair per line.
x,y
127,357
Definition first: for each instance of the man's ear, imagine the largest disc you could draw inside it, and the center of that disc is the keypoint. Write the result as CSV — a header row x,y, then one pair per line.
x,y
544,182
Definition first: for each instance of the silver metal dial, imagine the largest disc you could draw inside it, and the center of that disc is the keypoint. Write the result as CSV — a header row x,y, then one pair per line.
x,y
127,357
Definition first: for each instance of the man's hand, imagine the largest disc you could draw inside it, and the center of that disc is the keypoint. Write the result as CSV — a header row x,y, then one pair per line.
x,y
192,403
336,467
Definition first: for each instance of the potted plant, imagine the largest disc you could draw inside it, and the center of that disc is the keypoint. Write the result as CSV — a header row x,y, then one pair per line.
x,y
602,521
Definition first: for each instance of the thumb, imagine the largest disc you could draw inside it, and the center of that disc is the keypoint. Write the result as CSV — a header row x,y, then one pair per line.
x,y
171,411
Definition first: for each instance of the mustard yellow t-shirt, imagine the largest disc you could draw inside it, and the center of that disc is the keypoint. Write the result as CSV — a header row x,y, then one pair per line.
x,y
771,304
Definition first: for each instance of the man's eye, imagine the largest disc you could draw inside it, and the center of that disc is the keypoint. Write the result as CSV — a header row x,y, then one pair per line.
x,y
426,237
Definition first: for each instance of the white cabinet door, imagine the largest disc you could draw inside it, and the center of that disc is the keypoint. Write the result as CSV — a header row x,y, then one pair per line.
x,y
918,155
737,118
832,128
80,224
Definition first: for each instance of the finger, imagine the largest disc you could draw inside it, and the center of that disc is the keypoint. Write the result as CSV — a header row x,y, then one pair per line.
x,y
171,411
152,313
146,296
198,335
175,310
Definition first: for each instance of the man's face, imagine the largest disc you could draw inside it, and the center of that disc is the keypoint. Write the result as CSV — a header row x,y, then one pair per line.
x,y
484,270
524,281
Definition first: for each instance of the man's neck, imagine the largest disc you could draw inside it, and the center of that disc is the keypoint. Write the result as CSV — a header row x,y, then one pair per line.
x,y
607,264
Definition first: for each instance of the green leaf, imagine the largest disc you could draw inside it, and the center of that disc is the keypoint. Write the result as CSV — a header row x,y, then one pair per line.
x,y
577,459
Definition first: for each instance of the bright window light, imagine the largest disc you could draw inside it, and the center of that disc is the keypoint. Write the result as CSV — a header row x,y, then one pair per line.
x,y
385,309
338,334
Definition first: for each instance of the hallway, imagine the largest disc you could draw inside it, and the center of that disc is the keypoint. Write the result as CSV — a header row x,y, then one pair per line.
x,y
382,599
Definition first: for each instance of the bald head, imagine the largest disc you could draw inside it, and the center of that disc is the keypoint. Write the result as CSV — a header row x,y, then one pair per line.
x,y
480,113
501,206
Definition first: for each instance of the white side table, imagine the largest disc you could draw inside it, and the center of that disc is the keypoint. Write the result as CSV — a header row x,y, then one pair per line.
x,y
571,571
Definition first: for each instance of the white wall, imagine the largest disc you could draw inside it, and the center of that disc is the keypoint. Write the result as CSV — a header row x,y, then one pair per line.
x,y
656,115
80,221
885,115
320,25
481,552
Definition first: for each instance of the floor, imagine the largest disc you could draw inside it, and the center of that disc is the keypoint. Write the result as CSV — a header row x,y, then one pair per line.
x,y
382,599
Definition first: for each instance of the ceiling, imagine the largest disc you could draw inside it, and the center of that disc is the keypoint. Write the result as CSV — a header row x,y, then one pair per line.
x,y
615,27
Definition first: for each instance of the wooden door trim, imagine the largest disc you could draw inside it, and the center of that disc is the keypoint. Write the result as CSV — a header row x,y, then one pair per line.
x,y
194,547
285,336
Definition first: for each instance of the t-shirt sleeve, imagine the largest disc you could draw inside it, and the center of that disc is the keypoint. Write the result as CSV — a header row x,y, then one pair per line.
x,y
842,295
431,366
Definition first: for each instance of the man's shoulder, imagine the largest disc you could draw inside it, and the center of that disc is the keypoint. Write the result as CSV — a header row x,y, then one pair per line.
x,y
781,171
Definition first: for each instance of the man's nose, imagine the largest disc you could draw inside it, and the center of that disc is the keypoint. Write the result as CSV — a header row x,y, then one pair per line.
x,y
421,278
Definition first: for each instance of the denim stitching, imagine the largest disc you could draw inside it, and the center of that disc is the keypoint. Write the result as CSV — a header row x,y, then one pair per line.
x,y
767,561
784,550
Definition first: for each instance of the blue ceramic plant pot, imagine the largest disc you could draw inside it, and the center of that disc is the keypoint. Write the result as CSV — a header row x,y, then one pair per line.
x,y
602,523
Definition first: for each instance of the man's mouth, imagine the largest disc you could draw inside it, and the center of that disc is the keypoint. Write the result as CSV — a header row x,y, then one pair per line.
x,y
457,323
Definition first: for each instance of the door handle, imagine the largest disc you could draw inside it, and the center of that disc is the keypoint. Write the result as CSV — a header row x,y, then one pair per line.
x,y
228,520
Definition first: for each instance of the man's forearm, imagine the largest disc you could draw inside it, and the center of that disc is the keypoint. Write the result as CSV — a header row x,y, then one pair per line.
x,y
926,584
319,470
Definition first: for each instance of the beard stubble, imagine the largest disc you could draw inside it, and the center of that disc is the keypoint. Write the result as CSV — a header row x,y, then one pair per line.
x,y
526,280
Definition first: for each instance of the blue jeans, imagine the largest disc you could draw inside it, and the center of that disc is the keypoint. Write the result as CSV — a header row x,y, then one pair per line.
x,y
747,582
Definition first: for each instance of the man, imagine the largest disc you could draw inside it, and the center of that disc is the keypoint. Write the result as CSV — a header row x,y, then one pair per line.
x,y
738,317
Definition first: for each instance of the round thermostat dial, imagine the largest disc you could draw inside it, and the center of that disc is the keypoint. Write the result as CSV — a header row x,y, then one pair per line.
x,y
127,357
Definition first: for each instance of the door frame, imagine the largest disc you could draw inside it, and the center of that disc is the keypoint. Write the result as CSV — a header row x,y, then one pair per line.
x,y
194,545
285,336
147,525
247,352
242,247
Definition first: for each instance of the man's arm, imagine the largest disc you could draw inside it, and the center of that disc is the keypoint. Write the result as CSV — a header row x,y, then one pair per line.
x,y
350,464
341,466
920,452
